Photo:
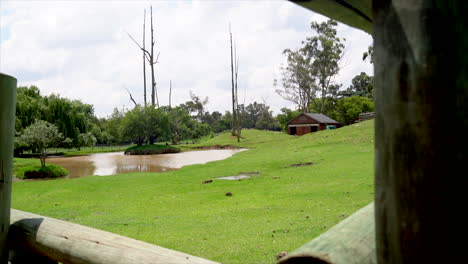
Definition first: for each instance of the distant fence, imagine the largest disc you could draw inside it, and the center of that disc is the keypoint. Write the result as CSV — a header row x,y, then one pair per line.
x,y
365,116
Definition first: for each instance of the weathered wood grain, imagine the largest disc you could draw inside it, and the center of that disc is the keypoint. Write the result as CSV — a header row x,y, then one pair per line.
x,y
66,242
7,132
421,80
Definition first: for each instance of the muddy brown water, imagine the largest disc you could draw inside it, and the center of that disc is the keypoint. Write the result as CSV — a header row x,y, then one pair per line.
x,y
112,163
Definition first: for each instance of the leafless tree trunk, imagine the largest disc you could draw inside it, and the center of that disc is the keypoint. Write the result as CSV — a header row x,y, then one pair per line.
x,y
232,88
131,97
151,60
144,62
170,93
154,92
236,126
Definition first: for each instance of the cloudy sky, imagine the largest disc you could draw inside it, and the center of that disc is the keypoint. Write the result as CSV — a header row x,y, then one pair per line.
x,y
80,49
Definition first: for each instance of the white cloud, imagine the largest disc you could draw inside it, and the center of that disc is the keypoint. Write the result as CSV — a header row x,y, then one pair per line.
x,y
80,49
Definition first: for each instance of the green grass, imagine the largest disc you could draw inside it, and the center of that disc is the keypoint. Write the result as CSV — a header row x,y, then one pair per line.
x,y
279,209
21,166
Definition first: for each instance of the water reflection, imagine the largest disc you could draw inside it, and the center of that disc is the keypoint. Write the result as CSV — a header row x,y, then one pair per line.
x,y
116,162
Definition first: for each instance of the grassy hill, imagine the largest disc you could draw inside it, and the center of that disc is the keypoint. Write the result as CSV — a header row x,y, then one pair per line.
x,y
279,209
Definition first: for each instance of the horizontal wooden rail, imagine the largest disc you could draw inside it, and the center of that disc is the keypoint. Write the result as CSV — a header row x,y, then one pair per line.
x,y
66,242
351,241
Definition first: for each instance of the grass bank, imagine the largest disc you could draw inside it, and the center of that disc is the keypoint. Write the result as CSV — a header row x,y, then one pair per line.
x,y
31,169
279,209
151,149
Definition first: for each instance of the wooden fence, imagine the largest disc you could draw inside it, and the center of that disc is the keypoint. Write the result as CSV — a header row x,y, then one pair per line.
x,y
43,240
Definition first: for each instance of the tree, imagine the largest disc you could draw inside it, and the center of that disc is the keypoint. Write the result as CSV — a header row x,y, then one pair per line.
x,y
151,59
40,136
113,125
297,82
286,116
156,123
236,122
178,120
134,125
196,105
87,140
361,85
369,54
349,108
311,69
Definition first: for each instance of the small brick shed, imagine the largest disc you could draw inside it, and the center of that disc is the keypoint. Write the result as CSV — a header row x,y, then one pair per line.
x,y
309,122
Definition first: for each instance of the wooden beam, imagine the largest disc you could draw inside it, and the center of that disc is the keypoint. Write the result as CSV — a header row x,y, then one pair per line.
x,y
7,132
352,241
421,80
355,13
66,242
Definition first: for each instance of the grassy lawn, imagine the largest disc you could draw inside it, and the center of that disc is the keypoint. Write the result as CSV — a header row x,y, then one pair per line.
x,y
279,209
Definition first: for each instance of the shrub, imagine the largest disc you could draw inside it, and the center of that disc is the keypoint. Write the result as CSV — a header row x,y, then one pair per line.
x,y
38,172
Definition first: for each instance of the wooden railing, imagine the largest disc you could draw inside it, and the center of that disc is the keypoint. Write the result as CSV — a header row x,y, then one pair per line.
x,y
352,241
39,239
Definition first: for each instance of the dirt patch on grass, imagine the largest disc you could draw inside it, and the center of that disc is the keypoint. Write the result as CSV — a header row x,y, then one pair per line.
x,y
301,164
216,147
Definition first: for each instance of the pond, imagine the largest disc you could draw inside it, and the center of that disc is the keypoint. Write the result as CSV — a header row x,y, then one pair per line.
x,y
112,163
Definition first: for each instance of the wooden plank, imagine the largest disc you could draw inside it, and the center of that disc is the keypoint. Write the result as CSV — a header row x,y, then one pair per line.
x,y
355,13
66,242
421,80
351,241
7,132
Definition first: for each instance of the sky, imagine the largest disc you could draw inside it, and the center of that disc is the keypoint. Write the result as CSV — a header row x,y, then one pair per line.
x,y
80,49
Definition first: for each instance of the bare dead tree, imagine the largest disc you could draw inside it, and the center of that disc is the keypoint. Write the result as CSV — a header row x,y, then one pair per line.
x,y
149,55
170,93
236,124
131,97
144,63
154,92
232,87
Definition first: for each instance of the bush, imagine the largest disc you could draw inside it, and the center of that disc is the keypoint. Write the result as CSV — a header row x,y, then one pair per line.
x,y
38,172
151,149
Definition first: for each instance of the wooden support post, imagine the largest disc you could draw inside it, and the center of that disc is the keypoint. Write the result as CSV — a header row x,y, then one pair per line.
x,y
7,131
421,76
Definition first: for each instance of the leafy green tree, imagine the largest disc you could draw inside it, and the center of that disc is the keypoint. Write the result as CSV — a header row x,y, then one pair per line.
x,y
286,116
29,106
113,125
361,85
266,120
297,81
179,122
198,130
311,70
134,125
156,123
71,117
196,106
349,108
87,140
40,136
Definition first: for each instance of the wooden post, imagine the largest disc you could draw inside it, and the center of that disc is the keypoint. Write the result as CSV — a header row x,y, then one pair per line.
x,y
7,131
421,76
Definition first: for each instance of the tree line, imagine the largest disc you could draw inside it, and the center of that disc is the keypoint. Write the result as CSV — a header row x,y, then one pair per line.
x,y
73,123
